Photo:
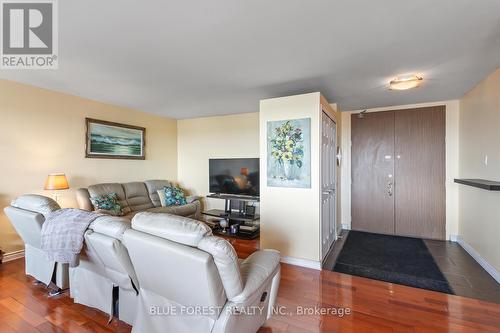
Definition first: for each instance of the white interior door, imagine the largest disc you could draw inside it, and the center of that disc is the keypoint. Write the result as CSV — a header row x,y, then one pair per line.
x,y
332,159
328,184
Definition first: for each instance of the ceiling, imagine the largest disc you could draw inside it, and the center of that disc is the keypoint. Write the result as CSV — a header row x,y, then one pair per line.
x,y
193,58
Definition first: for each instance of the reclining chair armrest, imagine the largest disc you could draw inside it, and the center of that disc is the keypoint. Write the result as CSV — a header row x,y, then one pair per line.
x,y
257,270
192,198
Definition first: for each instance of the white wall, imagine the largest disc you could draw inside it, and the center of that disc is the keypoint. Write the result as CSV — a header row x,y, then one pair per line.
x,y
290,216
200,139
452,145
479,223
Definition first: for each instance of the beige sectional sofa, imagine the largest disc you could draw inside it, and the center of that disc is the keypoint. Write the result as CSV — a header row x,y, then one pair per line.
x,y
138,197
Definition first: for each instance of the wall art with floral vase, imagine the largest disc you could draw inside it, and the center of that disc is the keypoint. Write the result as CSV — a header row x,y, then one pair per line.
x,y
289,153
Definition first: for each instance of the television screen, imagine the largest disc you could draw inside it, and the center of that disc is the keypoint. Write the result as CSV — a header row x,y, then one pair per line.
x,y
238,176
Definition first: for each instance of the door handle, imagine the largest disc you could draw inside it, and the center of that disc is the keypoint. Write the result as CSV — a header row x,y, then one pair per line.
x,y
389,188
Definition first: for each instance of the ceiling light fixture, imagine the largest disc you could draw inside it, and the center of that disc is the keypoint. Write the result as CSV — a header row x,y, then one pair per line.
x,y
405,82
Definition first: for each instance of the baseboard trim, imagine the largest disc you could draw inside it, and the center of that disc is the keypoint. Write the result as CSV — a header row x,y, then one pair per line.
x,y
301,262
480,260
13,256
454,238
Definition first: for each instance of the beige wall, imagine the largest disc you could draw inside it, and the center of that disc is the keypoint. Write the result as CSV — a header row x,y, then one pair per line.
x,y
235,136
479,137
290,217
213,137
452,145
43,131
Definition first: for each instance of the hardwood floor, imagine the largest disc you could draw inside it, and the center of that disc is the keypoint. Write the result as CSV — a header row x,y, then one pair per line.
x,y
375,306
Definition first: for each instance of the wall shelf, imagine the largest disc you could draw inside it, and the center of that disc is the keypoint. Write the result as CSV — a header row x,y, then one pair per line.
x,y
489,185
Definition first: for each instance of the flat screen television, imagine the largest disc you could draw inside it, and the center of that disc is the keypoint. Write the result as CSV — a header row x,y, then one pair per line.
x,y
234,176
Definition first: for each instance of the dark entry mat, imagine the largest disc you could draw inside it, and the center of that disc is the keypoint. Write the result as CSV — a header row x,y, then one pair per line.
x,y
396,259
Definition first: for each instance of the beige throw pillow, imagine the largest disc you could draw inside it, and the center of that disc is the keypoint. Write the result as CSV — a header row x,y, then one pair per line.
x,y
163,197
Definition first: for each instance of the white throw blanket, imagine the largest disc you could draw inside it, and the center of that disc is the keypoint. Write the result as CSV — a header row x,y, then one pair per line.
x,y
63,234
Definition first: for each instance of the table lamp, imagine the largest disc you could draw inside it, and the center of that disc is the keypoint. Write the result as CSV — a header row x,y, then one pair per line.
x,y
56,182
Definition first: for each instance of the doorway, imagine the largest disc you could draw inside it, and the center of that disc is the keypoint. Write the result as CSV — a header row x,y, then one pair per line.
x,y
398,172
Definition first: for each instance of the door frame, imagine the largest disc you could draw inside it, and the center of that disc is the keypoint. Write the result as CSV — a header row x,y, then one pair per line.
x,y
452,158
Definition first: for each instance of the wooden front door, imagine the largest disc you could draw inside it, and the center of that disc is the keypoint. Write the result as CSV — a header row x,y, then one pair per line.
x,y
420,173
372,169
398,172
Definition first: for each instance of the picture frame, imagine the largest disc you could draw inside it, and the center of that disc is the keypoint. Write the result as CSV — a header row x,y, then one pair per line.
x,y
110,140
289,153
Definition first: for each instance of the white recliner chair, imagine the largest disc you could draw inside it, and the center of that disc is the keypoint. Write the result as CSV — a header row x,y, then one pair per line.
x,y
27,215
104,276
191,281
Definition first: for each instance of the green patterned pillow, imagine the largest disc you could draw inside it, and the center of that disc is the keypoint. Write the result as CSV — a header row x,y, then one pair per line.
x,y
108,203
173,196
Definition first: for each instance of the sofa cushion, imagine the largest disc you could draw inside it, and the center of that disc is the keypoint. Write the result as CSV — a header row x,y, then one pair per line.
x,y
106,188
153,186
137,196
171,196
172,227
107,204
112,226
185,210
36,203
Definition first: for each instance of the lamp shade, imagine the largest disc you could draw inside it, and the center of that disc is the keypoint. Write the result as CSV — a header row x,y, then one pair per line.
x,y
56,181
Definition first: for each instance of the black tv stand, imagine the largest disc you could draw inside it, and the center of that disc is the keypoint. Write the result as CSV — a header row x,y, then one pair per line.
x,y
234,212
233,197
234,205
231,215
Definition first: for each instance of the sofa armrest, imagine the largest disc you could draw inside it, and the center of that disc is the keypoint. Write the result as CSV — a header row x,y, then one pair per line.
x,y
192,198
83,199
195,201
257,271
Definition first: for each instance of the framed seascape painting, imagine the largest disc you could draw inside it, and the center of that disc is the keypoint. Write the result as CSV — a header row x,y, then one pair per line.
x,y
289,153
105,139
